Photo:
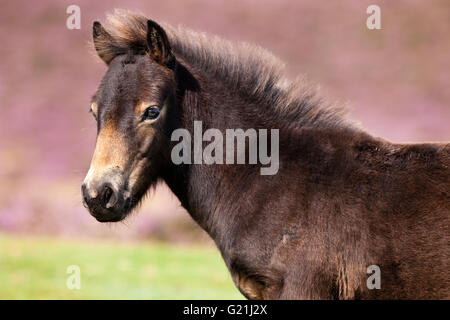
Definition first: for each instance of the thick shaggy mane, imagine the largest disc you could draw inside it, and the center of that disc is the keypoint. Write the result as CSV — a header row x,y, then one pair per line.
x,y
242,67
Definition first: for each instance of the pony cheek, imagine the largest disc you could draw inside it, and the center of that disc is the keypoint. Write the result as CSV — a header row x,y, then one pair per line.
x,y
146,144
137,179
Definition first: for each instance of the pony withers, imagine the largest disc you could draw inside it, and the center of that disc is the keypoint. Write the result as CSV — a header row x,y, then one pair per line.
x,y
340,201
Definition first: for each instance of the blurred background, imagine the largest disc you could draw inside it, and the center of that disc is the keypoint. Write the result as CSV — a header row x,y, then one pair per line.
x,y
395,80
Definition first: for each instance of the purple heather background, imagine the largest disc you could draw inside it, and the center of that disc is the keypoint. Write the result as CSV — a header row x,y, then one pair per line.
x,y
395,80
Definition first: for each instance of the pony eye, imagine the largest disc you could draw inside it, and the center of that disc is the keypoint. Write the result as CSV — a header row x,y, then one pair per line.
x,y
151,113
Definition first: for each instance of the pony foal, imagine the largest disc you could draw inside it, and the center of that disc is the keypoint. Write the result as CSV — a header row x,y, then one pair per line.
x,y
340,201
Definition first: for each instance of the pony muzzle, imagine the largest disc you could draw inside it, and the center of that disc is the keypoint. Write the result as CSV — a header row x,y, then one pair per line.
x,y
103,195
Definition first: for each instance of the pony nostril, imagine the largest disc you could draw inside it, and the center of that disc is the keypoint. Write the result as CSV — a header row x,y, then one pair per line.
x,y
109,197
107,193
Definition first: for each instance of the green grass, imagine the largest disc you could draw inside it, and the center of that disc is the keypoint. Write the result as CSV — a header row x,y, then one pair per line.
x,y
36,268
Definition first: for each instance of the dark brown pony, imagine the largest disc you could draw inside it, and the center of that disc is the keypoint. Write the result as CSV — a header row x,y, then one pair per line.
x,y
341,201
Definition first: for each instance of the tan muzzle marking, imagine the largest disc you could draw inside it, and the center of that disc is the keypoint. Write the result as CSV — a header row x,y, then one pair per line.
x,y
110,153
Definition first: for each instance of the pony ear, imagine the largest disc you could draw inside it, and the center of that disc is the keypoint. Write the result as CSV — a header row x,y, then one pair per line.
x,y
158,46
103,42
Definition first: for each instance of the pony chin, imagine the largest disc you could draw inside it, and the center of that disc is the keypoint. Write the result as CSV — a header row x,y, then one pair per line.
x,y
137,197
